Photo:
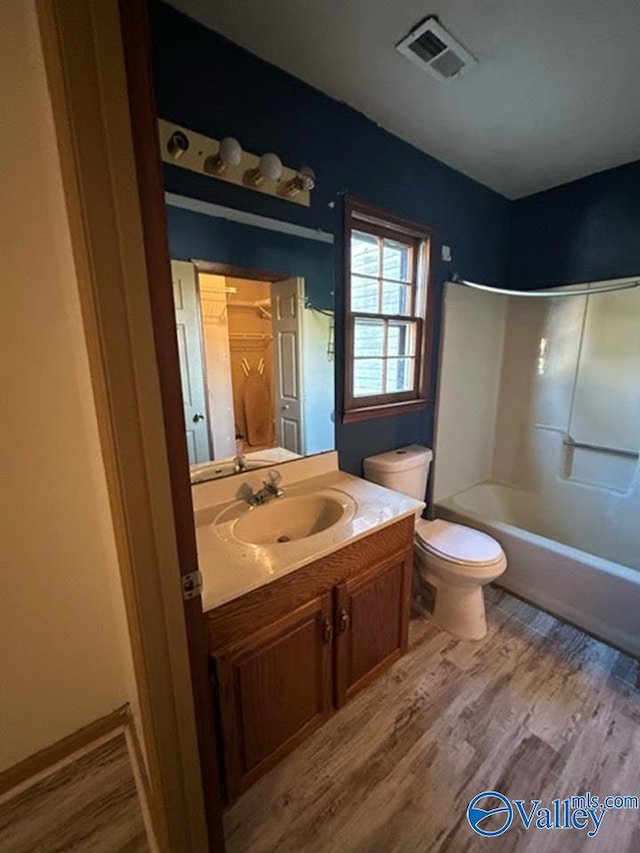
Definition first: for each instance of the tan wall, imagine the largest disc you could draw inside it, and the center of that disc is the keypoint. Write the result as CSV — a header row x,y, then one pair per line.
x,y
64,652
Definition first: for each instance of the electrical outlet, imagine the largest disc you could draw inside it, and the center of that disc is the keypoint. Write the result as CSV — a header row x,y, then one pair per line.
x,y
446,253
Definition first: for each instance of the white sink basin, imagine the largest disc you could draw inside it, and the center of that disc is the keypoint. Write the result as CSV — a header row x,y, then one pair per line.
x,y
286,519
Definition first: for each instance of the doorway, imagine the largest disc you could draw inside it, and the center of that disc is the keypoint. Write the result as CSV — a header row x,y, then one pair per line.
x,y
120,239
252,344
254,366
237,324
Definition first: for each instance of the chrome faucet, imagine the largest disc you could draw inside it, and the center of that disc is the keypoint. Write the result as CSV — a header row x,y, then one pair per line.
x,y
239,463
270,489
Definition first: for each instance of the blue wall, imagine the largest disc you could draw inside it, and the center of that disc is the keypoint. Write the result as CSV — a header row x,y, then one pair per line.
x,y
207,83
198,236
582,231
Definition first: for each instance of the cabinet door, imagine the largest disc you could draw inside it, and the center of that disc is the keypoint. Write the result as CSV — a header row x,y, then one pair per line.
x,y
274,688
372,623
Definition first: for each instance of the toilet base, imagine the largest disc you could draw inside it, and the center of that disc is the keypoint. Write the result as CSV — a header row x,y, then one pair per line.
x,y
459,609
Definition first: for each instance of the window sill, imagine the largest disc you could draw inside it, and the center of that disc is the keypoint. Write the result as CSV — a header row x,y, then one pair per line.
x,y
390,409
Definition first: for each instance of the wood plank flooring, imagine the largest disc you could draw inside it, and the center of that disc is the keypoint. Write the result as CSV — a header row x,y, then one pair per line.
x,y
537,709
89,805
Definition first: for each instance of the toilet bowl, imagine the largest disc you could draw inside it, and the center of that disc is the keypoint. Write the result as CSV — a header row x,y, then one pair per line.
x,y
457,561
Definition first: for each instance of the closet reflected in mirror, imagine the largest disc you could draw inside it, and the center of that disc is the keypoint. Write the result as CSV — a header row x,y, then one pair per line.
x,y
256,345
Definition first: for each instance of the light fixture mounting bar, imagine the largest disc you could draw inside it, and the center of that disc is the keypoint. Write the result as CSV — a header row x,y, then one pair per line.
x,y
200,147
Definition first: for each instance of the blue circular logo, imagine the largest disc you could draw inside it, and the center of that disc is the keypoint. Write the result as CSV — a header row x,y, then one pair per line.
x,y
478,812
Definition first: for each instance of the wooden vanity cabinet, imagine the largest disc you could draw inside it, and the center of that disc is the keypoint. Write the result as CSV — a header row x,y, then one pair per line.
x,y
371,623
274,688
288,654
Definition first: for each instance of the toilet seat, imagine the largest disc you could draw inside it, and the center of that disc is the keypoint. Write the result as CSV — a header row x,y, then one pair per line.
x,y
458,545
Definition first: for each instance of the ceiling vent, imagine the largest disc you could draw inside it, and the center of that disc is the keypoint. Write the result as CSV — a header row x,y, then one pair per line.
x,y
435,50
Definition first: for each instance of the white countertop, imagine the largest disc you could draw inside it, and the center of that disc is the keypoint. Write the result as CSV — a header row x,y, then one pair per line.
x,y
255,459
231,568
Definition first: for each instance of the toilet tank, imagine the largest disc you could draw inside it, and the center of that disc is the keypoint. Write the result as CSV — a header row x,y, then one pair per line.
x,y
404,470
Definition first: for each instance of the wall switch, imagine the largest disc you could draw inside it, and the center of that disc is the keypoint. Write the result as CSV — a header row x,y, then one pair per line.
x,y
446,253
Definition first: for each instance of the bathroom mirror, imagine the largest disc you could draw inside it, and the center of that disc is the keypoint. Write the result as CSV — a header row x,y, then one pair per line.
x,y
254,322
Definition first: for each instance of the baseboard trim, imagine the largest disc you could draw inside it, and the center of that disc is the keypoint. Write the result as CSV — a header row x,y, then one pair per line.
x,y
51,756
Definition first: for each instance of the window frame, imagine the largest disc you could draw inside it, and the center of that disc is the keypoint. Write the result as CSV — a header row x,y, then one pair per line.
x,y
366,218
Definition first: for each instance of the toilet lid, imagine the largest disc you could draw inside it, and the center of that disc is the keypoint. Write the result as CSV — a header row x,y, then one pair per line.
x,y
457,544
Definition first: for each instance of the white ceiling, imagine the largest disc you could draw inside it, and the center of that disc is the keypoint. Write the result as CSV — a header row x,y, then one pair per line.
x,y
556,94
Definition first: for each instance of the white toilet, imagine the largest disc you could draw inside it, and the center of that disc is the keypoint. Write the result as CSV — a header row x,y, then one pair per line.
x,y
458,561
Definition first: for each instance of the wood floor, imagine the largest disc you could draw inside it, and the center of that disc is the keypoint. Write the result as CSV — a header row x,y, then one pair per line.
x,y
536,710
89,805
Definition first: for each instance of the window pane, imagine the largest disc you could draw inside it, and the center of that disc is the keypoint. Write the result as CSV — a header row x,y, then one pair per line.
x,y
401,338
396,261
368,338
365,253
399,375
364,294
367,376
396,298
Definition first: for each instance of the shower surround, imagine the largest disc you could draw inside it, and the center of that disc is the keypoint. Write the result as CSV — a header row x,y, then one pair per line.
x,y
523,383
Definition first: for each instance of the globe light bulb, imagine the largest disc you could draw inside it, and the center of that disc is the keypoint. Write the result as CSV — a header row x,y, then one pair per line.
x,y
270,167
229,154
304,181
230,151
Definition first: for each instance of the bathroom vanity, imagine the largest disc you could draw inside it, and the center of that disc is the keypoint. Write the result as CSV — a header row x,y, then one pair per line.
x,y
304,624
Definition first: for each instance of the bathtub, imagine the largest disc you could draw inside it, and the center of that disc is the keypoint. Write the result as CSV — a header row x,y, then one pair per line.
x,y
596,594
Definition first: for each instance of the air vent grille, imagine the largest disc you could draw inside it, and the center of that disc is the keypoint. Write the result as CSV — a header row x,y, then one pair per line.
x,y
449,64
435,50
428,46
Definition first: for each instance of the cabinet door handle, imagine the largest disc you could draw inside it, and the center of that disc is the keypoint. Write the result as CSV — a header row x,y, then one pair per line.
x,y
327,631
343,621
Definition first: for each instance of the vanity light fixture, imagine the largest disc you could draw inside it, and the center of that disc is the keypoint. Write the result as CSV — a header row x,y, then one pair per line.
x,y
304,181
224,160
178,143
229,154
269,169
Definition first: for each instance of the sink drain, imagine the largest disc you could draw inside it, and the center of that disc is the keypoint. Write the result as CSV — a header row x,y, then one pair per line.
x,y
283,539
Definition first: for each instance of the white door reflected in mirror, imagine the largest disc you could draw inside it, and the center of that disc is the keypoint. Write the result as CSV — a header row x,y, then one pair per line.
x,y
188,330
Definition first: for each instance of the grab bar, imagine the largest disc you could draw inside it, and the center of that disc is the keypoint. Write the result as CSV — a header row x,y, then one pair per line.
x,y
613,451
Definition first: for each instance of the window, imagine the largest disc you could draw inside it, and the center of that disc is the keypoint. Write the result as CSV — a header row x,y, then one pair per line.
x,y
388,316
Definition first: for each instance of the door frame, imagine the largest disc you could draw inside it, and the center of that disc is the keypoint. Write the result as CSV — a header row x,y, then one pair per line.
x,y
228,270
104,115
